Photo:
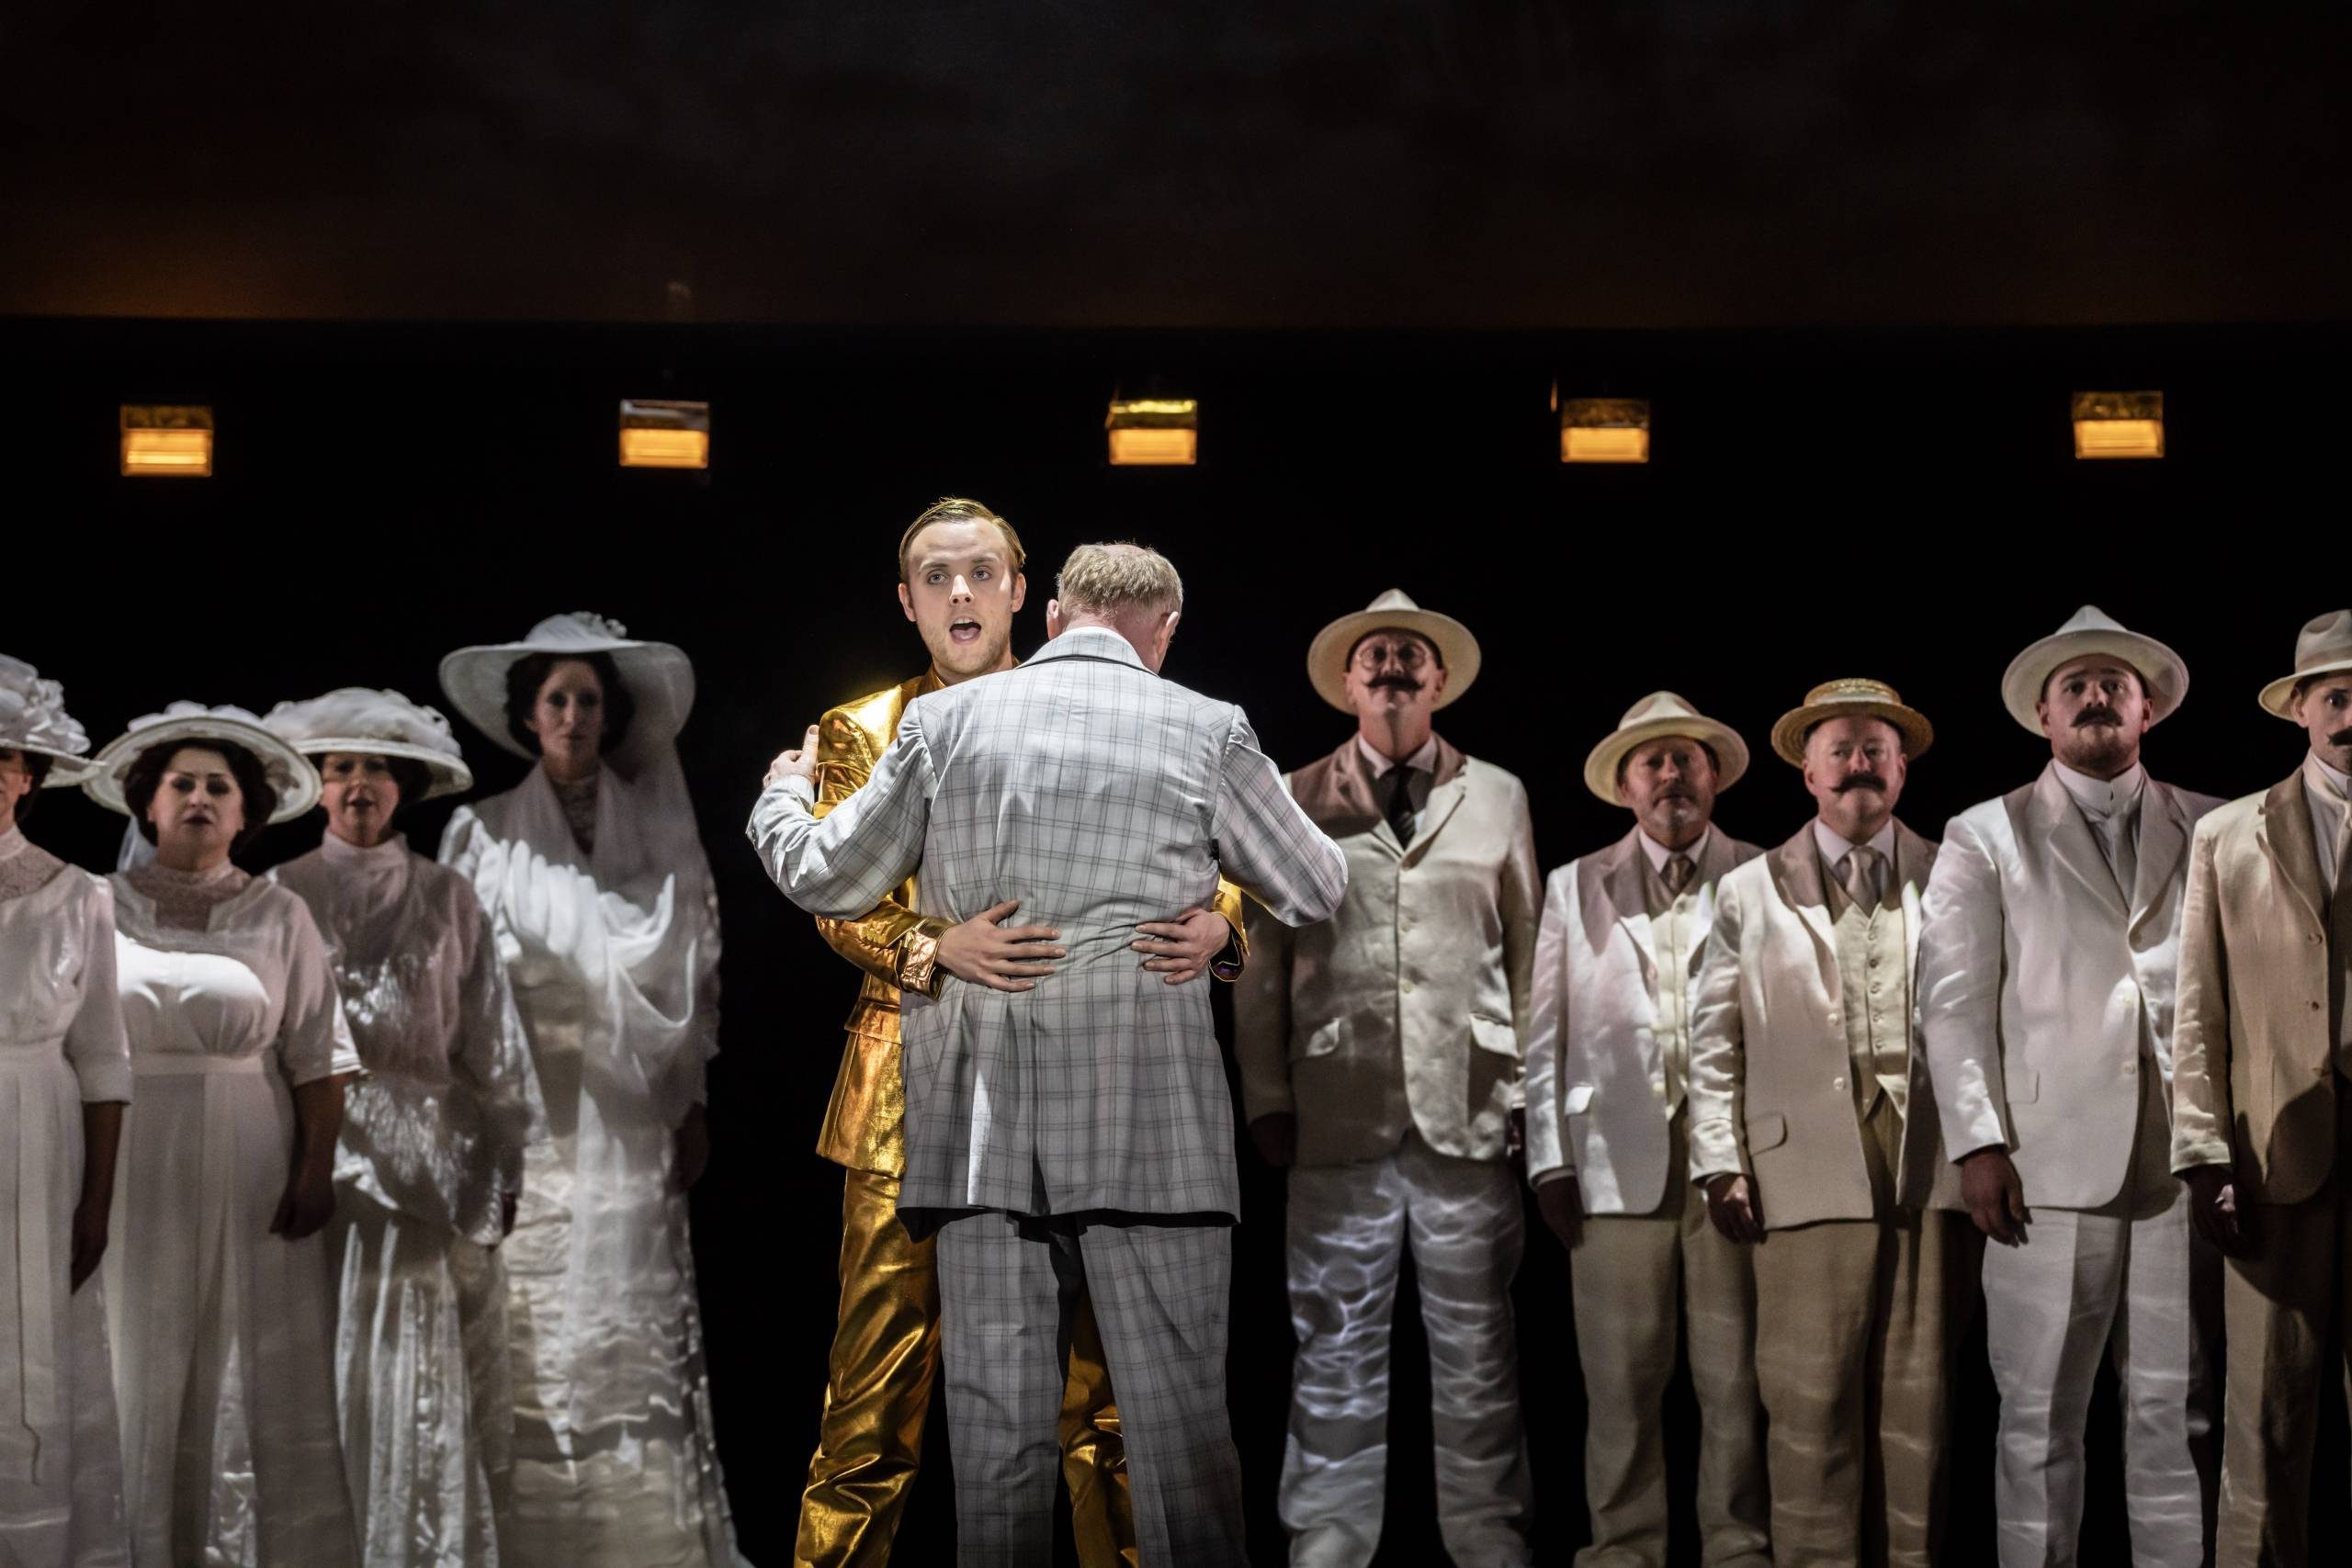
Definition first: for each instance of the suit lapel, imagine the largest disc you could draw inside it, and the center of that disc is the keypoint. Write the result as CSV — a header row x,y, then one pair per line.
x,y
1339,796
2284,832
2163,835
1629,894
2064,835
1796,873
1913,859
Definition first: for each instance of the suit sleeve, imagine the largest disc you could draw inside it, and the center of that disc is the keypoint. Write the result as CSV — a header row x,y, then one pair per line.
x,y
1523,912
1961,954
1548,1155
1230,904
880,940
849,862
1265,843
2203,1115
1262,1022
1718,1048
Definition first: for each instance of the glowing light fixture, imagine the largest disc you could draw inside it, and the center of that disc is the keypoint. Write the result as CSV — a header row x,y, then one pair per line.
x,y
1604,429
167,441
2119,424
1155,430
658,432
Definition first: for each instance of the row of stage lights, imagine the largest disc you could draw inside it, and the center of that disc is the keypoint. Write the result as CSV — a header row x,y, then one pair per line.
x,y
161,440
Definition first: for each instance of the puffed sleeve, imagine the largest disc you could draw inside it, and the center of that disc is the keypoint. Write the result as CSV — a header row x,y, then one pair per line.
x,y
492,1053
95,1043
313,1039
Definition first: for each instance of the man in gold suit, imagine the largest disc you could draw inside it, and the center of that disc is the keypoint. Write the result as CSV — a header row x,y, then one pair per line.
x,y
960,583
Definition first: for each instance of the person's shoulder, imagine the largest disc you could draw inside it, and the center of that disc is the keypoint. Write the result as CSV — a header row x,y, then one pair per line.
x,y
2230,816
2193,804
1484,775
867,723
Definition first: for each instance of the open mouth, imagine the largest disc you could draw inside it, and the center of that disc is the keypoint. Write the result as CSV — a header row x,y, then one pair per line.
x,y
963,633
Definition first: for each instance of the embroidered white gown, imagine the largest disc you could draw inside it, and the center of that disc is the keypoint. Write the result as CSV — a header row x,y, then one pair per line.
x,y
431,1137
613,955
61,1046
224,1368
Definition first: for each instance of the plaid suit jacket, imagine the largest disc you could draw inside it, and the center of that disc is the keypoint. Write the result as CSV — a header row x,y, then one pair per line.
x,y
1101,796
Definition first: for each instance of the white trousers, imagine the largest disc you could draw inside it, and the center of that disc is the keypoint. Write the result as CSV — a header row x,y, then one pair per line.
x,y
2120,1281
1349,1227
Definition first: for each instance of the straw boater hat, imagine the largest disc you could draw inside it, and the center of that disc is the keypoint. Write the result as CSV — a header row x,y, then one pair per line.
x,y
2323,648
192,724
378,724
1327,656
33,718
660,678
1852,698
2093,630
1659,715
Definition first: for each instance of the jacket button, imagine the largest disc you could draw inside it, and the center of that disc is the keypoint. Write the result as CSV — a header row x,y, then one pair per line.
x,y
1873,960
1837,1083
1833,1015
1406,986
2316,1006
1657,1088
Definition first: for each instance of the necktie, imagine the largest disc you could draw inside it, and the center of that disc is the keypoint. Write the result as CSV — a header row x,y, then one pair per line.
x,y
2114,833
1858,873
1401,803
1679,870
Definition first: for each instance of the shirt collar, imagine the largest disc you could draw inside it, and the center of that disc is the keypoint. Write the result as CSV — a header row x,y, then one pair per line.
x,y
1422,761
1660,853
1835,846
2102,799
340,852
2342,781
12,843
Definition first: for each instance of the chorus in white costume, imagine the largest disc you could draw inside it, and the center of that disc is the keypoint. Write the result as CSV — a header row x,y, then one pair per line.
x,y
431,1157
595,881
65,1076
217,1290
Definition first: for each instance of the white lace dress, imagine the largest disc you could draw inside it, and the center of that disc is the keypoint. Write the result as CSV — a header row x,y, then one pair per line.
x,y
224,1369
431,1137
613,953
60,1046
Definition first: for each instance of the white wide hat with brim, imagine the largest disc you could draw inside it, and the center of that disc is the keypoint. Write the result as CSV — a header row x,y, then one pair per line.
x,y
1327,656
33,718
362,721
192,724
1852,697
660,678
2092,630
1655,718
2323,648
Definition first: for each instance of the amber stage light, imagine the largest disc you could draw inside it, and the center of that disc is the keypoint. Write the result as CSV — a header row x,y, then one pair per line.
x,y
1155,430
1604,429
167,440
2119,424
660,433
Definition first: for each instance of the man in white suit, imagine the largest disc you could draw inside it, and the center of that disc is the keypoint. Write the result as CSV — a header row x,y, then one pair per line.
x,y
2046,969
1608,1056
1802,1075
1380,1063
2262,1097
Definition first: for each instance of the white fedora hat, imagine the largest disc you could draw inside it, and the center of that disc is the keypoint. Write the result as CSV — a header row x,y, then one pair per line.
x,y
660,677
2092,630
33,718
192,724
1852,698
1655,718
381,724
2323,648
1327,656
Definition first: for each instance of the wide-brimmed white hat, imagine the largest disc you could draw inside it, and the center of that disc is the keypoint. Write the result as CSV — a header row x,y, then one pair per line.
x,y
360,720
1327,656
33,718
660,678
1852,697
1655,716
2323,648
192,724
2092,630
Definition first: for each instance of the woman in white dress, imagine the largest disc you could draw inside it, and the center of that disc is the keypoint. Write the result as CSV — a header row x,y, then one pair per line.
x,y
64,1077
594,879
217,1290
430,1161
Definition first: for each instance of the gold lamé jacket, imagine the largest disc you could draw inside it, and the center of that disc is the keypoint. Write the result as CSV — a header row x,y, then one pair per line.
x,y
865,1125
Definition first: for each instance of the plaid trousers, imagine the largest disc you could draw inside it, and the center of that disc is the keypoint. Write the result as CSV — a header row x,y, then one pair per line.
x,y
1160,1294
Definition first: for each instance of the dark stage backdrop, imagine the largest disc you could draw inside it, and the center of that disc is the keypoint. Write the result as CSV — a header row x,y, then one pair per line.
x,y
1902,506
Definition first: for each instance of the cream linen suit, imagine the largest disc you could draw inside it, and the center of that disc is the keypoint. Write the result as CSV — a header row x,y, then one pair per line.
x,y
2259,1086
1391,1032
1616,968
2046,1011
1855,1285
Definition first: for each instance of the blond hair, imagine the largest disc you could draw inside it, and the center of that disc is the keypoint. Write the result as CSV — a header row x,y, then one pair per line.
x,y
957,509
1110,579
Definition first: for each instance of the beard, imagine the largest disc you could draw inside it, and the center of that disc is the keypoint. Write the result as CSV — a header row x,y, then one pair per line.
x,y
2096,751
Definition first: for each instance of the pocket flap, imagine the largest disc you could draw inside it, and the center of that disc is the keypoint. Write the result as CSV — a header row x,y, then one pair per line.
x,y
1768,1131
1320,1041
2024,1088
1494,1035
1579,1101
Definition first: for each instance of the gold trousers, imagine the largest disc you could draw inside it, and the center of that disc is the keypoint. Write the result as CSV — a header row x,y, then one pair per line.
x,y
886,1352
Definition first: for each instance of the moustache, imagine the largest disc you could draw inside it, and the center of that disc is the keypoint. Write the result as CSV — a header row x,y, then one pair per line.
x,y
1395,683
1862,781
2341,738
2092,716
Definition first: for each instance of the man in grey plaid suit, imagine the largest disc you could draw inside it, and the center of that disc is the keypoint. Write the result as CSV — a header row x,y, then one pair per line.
x,y
1078,1133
